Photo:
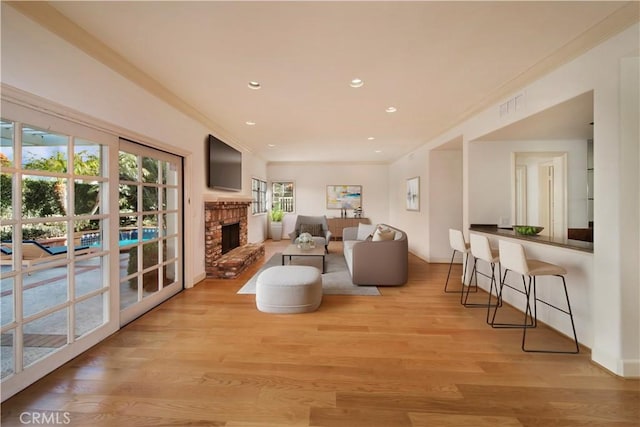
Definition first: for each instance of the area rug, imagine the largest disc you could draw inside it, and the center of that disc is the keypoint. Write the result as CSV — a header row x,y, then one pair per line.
x,y
335,281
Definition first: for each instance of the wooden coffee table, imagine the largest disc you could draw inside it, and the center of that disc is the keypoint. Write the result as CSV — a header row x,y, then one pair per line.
x,y
293,250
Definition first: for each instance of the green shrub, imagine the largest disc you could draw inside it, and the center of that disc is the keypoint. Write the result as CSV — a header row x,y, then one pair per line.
x,y
149,258
276,215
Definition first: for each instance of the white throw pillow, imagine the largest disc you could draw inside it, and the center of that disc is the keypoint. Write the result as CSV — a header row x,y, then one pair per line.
x,y
365,230
382,234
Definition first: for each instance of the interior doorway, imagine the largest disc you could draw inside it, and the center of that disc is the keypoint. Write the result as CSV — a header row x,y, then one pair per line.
x,y
546,199
540,191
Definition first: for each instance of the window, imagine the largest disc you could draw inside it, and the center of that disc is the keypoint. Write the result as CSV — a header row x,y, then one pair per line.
x,y
259,195
283,195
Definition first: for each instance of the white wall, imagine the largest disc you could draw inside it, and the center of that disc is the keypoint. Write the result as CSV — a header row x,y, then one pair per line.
x,y
490,166
414,223
254,167
40,63
612,278
445,201
311,180
630,215
441,200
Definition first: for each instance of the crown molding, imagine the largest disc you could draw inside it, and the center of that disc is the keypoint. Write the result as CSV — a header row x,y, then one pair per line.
x,y
28,100
49,18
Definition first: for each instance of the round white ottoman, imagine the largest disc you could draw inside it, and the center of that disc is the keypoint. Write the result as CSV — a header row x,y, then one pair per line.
x,y
289,289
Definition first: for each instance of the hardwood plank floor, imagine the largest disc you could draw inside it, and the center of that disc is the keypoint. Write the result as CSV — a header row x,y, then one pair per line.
x,y
411,357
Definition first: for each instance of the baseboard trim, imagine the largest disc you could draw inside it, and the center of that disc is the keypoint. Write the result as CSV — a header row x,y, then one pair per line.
x,y
199,278
630,368
626,368
436,260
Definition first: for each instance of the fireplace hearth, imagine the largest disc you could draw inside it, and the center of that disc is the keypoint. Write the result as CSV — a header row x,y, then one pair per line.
x,y
227,252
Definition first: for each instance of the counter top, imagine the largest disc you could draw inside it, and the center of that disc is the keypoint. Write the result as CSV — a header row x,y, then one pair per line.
x,y
545,240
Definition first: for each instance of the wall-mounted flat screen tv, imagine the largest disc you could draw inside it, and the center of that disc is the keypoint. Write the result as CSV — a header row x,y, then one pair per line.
x,y
225,166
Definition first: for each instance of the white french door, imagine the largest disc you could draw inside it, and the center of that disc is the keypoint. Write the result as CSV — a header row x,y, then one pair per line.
x,y
55,291
149,228
90,233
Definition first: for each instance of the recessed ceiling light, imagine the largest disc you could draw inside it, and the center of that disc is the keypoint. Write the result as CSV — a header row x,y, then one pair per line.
x,y
391,109
271,145
378,151
371,138
254,85
356,83
250,123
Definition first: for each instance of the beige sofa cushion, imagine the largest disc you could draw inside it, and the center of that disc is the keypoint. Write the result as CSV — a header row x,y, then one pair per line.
x,y
383,234
365,231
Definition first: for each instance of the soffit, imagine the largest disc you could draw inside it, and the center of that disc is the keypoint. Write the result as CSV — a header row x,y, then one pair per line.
x,y
572,119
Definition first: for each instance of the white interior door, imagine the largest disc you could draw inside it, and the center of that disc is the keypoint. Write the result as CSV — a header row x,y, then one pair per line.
x,y
546,200
521,195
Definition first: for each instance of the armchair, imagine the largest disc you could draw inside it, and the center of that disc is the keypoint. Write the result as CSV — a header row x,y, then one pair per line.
x,y
314,225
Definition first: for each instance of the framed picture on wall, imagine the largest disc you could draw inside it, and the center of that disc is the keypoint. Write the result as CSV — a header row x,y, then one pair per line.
x,y
413,194
344,196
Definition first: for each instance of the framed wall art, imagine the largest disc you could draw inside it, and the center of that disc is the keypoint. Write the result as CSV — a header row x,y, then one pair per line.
x,y
413,194
344,196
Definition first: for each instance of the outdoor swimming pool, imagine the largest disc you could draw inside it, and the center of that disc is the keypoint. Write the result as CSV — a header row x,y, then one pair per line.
x,y
126,238
128,242
121,243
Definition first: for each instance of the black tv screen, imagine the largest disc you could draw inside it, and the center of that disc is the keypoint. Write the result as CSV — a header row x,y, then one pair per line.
x,y
225,166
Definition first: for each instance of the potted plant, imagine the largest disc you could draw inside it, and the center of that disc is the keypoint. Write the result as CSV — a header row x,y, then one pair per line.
x,y
275,224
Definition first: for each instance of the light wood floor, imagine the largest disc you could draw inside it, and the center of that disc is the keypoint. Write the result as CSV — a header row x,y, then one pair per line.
x,y
411,357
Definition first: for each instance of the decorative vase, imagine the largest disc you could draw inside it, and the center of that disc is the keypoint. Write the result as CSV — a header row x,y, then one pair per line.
x,y
276,230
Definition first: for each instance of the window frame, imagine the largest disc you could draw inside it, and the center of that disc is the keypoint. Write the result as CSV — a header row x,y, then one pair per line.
x,y
276,197
258,196
80,334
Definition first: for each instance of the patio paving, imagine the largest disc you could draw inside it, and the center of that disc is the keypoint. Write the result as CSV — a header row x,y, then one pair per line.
x,y
47,288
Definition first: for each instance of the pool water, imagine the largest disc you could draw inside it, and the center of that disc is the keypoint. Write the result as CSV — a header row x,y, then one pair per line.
x,y
127,238
125,242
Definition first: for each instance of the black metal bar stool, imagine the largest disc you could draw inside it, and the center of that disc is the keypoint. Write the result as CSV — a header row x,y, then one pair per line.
x,y
481,250
512,258
456,240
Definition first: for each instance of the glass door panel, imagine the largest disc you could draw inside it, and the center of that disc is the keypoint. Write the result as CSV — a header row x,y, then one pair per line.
x,y
44,336
53,266
150,225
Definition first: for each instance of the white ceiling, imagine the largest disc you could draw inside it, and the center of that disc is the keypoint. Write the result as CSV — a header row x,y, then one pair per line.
x,y
436,62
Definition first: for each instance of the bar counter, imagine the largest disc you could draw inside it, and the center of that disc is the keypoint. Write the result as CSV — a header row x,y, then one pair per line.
x,y
577,245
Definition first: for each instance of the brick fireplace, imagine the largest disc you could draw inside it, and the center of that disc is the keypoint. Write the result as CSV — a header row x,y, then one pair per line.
x,y
223,213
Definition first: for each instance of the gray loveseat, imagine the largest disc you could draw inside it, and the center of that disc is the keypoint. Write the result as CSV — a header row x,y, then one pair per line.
x,y
380,263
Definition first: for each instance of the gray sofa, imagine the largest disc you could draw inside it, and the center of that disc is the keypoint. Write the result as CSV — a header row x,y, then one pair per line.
x,y
380,263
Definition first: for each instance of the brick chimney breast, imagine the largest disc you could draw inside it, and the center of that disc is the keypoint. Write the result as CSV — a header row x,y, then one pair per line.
x,y
231,264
